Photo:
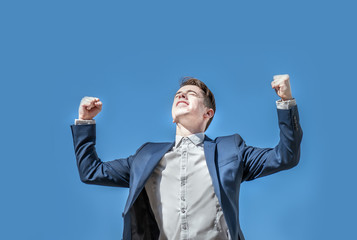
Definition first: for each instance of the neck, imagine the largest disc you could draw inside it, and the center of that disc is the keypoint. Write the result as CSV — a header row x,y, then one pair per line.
x,y
188,130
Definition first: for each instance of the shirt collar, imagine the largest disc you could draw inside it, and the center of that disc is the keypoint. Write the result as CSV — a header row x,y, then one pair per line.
x,y
196,139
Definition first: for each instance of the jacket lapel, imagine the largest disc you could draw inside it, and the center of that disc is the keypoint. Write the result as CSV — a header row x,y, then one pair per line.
x,y
210,153
142,174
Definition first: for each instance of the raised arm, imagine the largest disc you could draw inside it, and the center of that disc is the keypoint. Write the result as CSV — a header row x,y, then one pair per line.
x,y
259,162
91,169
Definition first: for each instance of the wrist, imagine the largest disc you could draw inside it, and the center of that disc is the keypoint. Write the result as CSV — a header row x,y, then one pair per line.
x,y
84,121
287,99
285,104
84,118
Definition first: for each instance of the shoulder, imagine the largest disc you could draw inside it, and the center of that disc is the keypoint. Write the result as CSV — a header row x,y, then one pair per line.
x,y
150,146
234,141
228,139
156,144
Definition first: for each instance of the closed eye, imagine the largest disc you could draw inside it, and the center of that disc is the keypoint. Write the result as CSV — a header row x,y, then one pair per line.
x,y
188,93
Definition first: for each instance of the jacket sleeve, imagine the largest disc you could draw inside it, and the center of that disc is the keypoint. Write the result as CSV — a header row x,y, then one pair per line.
x,y
91,169
259,162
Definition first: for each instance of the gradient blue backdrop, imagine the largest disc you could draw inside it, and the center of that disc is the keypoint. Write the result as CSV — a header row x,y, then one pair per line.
x,y
131,54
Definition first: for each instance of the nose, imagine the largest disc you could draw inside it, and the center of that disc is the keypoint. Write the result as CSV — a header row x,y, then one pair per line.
x,y
182,95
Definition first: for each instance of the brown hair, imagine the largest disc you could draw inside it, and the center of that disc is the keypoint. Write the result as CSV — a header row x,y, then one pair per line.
x,y
209,100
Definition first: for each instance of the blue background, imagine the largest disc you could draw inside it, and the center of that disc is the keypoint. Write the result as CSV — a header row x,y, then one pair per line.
x,y
131,55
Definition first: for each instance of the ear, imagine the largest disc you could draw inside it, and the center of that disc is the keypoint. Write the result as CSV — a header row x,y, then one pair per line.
x,y
209,113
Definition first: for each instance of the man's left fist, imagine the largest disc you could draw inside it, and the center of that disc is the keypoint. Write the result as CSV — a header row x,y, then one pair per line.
x,y
281,84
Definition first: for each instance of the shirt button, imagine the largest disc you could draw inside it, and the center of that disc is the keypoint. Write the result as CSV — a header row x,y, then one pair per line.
x,y
182,198
184,227
183,210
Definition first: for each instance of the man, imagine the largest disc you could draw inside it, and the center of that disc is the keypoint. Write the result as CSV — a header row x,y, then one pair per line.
x,y
188,189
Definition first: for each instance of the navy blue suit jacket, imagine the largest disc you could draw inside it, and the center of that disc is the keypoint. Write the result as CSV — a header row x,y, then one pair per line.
x,y
230,162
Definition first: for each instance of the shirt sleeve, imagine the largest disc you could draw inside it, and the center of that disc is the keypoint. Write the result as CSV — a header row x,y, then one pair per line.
x,y
280,104
83,122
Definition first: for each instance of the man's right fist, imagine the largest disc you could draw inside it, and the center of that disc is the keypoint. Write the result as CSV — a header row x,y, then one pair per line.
x,y
89,108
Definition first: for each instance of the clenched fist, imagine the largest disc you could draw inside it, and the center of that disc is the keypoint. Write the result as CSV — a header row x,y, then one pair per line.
x,y
89,108
281,84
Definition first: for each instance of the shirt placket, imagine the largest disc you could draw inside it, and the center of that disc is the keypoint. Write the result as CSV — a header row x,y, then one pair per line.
x,y
183,189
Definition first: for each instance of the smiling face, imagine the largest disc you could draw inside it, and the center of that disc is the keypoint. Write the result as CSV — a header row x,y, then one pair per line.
x,y
188,106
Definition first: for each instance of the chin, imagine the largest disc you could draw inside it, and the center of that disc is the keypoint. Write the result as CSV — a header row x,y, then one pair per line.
x,y
180,112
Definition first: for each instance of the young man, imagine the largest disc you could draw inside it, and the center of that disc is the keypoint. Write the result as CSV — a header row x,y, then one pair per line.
x,y
188,189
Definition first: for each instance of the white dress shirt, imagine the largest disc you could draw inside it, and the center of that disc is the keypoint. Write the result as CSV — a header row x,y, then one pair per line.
x,y
181,194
